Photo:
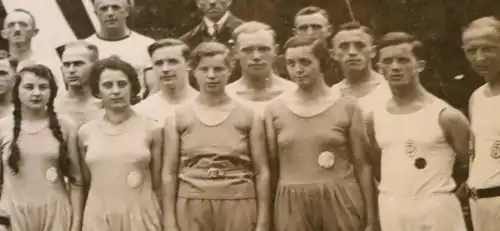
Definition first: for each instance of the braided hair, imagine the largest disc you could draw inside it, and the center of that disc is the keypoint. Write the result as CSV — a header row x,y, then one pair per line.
x,y
43,72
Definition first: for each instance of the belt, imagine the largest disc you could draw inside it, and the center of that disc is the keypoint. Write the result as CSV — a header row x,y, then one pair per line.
x,y
214,173
5,221
483,193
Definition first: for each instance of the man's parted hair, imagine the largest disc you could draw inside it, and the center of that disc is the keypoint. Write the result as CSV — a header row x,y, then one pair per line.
x,y
94,51
355,25
131,3
308,10
169,42
209,49
252,27
484,22
397,38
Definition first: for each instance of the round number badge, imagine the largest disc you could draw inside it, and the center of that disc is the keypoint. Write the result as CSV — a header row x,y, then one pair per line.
x,y
134,179
495,150
326,159
51,175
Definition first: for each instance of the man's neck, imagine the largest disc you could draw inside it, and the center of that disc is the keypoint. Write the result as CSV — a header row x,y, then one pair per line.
x,y
114,34
358,77
406,95
258,82
20,51
177,94
80,93
218,18
493,84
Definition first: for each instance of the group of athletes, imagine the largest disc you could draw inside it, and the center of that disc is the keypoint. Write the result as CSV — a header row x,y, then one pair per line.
x,y
108,141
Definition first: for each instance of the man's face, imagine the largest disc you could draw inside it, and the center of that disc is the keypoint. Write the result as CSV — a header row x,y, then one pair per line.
x,y
170,66
6,76
399,65
18,27
213,9
481,46
312,25
76,65
353,49
256,53
112,13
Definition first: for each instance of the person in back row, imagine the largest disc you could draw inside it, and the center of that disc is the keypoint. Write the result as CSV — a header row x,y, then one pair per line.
x,y
116,38
255,50
169,58
7,72
354,50
78,102
481,45
418,138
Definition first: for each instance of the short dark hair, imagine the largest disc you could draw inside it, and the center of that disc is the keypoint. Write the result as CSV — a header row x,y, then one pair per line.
x,y
33,21
209,49
318,46
94,51
252,27
308,10
113,63
169,42
12,61
130,2
397,38
355,25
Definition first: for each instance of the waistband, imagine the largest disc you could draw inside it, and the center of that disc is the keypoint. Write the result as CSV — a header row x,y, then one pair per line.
x,y
216,173
476,194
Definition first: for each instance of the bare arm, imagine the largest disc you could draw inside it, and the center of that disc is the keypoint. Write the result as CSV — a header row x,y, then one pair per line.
x,y
77,180
272,151
363,171
157,160
170,172
261,170
457,132
373,149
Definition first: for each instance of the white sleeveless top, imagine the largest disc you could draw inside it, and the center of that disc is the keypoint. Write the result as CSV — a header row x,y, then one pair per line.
x,y
377,98
409,140
485,125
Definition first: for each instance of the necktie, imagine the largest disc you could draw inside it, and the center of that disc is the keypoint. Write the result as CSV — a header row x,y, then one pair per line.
x,y
216,30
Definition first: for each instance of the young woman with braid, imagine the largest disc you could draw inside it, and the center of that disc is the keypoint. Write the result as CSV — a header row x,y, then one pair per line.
x,y
122,152
38,150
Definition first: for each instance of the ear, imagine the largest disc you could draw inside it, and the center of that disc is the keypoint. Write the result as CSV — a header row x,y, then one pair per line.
x,y
294,31
334,55
4,34
329,30
35,31
373,52
229,2
421,65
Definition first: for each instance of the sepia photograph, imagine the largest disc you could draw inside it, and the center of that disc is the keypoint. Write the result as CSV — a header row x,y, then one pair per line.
x,y
250,115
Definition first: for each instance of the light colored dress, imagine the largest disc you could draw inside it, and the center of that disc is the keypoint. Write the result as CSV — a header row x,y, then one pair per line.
x,y
36,197
317,187
121,195
216,181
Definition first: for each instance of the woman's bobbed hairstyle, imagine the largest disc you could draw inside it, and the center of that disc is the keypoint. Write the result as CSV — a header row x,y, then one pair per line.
x,y
113,63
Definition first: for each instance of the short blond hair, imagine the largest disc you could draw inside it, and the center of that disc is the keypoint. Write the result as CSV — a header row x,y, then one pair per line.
x,y
252,27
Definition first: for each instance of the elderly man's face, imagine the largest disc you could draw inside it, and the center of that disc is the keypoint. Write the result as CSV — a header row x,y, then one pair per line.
x,y
213,9
19,27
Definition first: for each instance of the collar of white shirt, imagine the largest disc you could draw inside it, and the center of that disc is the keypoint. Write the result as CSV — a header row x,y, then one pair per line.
x,y
210,24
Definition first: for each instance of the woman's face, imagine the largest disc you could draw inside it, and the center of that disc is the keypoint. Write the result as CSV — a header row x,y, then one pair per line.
x,y
302,66
212,74
115,89
34,91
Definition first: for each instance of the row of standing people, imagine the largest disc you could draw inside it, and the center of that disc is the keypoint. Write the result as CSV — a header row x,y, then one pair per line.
x,y
354,63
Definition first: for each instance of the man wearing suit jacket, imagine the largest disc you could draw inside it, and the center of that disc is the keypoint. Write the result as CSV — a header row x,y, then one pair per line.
x,y
218,25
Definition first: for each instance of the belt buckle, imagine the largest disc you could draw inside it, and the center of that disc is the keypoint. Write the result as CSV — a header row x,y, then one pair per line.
x,y
214,173
473,194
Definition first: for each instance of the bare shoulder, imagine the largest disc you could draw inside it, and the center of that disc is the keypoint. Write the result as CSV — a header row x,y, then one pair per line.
x,y
234,86
87,128
451,116
285,84
67,124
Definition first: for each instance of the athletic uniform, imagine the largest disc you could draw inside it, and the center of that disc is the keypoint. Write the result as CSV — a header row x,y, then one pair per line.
x,y
484,177
417,163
